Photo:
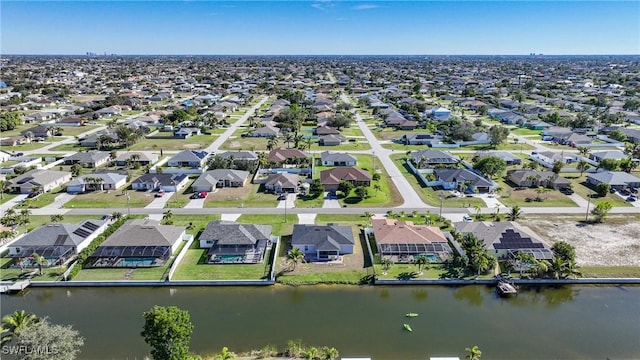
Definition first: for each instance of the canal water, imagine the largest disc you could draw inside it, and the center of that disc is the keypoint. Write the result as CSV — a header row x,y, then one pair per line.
x,y
573,322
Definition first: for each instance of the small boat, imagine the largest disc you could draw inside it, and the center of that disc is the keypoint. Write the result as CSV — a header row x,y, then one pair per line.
x,y
506,289
407,327
410,315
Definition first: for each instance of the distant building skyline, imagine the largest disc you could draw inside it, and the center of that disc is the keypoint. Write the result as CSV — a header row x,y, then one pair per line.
x,y
322,27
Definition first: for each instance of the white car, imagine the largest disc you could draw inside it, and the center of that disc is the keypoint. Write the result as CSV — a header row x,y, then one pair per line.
x,y
467,218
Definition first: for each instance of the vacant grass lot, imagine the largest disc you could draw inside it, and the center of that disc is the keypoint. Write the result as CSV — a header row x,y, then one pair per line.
x,y
110,200
41,200
579,185
26,147
77,130
525,131
511,197
250,195
428,194
236,142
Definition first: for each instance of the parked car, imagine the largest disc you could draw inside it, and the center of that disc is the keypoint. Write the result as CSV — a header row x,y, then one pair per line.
x,y
467,218
282,197
566,191
160,193
631,198
199,195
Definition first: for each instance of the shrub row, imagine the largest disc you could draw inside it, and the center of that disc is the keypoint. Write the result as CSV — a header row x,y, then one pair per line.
x,y
89,250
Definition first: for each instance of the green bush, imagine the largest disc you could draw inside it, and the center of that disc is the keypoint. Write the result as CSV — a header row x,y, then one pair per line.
x,y
89,250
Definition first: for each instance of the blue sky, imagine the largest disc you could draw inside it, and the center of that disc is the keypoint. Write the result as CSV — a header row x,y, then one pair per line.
x,y
320,27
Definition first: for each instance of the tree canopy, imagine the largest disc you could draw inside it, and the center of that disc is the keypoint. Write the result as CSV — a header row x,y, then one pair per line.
x,y
491,166
168,331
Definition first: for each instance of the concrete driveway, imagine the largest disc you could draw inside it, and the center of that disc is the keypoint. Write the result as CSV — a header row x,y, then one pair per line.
x,y
490,199
159,202
195,204
289,203
330,202
59,201
13,202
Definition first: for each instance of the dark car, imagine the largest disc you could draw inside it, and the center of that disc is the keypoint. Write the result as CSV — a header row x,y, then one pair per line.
x,y
32,195
19,154
631,198
566,191
194,196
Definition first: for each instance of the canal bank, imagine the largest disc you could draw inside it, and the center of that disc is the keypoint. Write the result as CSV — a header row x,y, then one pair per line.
x,y
568,322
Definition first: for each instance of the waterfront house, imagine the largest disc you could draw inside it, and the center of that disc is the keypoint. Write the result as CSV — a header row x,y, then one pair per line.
x,y
287,156
331,140
39,131
231,243
323,242
423,159
403,241
609,154
441,113
265,131
508,157
186,132
138,243
57,243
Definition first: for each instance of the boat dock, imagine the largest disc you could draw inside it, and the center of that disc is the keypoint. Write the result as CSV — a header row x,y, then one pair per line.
x,y
15,287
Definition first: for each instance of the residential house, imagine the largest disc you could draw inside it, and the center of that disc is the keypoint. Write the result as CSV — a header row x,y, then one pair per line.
x,y
403,241
462,180
282,183
420,139
231,243
331,140
323,242
219,178
504,238
286,156
39,131
189,159
609,154
186,132
548,158
240,155
98,181
265,131
531,178
57,243
166,182
109,111
433,158
73,120
508,157
38,180
93,139
616,179
90,159
337,159
14,140
142,158
138,243
331,178
441,113
573,139
326,130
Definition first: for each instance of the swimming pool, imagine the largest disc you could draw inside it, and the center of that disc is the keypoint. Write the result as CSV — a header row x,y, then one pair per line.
x,y
434,258
136,262
229,258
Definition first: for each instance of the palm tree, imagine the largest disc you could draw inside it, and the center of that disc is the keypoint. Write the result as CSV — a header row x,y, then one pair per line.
x,y
166,217
477,208
583,166
24,218
295,256
116,216
40,260
386,265
330,353
57,218
14,323
4,186
421,262
272,143
225,354
288,138
583,150
473,353
515,213
312,353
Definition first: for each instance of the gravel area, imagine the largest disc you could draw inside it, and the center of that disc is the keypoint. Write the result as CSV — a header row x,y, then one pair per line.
x,y
596,245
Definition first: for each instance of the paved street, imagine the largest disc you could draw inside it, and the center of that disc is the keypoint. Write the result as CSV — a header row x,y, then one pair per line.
x,y
215,145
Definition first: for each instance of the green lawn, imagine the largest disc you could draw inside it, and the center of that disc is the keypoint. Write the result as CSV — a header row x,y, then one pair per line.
x,y
610,271
427,194
37,220
7,197
198,223
169,143
511,197
26,147
113,199
77,130
525,131
180,198
309,202
250,195
504,146
579,185
48,274
344,146
350,219
41,200
194,267
69,147
236,142
279,226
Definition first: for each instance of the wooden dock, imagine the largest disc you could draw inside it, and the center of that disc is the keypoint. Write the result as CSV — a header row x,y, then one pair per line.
x,y
15,287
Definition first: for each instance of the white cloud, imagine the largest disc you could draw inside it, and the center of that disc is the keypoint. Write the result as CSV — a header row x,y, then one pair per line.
x,y
365,7
322,5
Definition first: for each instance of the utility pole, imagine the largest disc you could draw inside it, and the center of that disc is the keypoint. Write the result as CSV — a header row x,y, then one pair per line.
x,y
128,207
441,200
586,215
285,207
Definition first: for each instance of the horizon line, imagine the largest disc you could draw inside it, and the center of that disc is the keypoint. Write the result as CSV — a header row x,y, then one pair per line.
x,y
93,54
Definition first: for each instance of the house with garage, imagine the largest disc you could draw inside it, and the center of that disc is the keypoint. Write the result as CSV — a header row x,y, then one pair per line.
x,y
265,131
424,159
230,242
186,132
94,139
219,178
508,157
328,158
504,239
287,156
331,178
608,154
154,182
331,140
403,241
14,140
326,130
323,242
38,180
240,155
282,183
39,131
88,159
441,113
96,182
462,180
618,180
531,178
548,158
56,243
138,243
420,139
143,158
189,159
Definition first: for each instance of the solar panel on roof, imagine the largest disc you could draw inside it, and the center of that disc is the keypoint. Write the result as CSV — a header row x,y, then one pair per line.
x,y
81,232
60,240
90,226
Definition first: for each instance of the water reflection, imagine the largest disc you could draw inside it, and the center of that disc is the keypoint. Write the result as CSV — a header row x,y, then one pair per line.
x,y
384,293
471,294
550,296
419,294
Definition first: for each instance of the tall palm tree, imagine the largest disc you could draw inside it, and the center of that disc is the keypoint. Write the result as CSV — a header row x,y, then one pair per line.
x,y
55,218
477,208
421,262
116,216
4,186
288,138
14,323
40,260
583,166
24,218
515,213
295,255
386,264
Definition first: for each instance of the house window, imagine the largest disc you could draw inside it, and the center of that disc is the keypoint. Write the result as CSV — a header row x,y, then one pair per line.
x,y
209,241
